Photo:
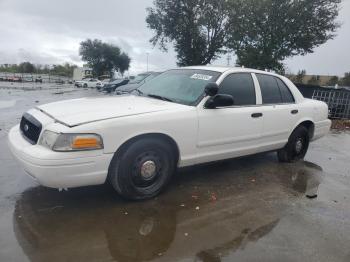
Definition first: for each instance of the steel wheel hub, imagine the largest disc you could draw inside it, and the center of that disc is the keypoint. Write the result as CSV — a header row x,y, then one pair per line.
x,y
299,146
148,169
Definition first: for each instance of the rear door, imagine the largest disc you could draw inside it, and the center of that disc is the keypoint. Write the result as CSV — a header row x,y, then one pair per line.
x,y
235,130
279,110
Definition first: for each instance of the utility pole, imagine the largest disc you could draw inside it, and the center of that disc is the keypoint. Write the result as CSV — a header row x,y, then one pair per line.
x,y
147,60
228,59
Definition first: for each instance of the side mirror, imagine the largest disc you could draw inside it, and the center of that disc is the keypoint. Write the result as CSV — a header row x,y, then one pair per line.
x,y
219,101
211,89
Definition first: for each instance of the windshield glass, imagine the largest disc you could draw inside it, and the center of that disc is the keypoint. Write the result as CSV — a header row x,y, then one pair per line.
x,y
152,76
138,78
183,86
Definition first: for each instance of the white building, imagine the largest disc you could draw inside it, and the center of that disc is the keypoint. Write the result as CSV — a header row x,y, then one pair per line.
x,y
80,73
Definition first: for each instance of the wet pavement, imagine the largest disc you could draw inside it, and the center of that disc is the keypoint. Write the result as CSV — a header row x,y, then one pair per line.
x,y
247,209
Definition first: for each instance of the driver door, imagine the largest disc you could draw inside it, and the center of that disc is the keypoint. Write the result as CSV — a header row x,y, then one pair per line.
x,y
231,131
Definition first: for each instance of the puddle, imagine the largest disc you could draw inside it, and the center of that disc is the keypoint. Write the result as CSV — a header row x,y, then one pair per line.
x,y
95,223
7,104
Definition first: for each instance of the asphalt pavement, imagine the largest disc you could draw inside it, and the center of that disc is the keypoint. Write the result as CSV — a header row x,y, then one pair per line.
x,y
248,209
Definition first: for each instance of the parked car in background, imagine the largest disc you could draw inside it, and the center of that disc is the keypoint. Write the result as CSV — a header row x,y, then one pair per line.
x,y
184,117
136,83
14,79
38,79
101,84
87,83
112,86
59,81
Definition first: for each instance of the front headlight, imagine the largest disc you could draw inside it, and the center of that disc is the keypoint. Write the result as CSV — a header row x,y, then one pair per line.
x,y
71,142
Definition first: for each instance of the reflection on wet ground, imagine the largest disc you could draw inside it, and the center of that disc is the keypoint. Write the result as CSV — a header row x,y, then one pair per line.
x,y
247,209
187,221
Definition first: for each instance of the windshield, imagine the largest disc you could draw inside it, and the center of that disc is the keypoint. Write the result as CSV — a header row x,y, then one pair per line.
x,y
183,86
138,78
152,76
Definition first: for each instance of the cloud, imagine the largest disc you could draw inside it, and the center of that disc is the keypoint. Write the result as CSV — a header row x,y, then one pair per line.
x,y
47,32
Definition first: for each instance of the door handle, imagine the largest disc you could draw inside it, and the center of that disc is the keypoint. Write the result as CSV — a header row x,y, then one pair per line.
x,y
294,112
257,115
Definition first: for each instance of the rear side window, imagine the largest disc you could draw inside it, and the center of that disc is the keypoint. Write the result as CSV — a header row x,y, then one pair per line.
x,y
269,89
241,87
287,96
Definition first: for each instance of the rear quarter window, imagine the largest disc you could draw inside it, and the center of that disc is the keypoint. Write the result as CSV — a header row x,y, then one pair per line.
x,y
287,96
269,89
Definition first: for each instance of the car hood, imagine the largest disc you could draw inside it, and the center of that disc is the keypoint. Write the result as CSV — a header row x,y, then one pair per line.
x,y
86,110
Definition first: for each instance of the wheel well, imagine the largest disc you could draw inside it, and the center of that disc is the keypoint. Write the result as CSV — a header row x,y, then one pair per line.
x,y
165,138
310,126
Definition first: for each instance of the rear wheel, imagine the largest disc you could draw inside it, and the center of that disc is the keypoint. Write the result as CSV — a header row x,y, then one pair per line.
x,y
143,169
297,146
85,85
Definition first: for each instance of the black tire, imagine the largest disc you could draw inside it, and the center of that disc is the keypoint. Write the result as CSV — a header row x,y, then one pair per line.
x,y
297,146
85,86
142,169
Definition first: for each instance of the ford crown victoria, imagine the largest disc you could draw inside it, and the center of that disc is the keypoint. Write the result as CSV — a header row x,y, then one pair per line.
x,y
183,117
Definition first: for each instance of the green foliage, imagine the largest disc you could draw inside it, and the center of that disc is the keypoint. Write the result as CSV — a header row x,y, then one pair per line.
x,y
300,76
9,68
333,81
197,28
264,33
63,70
29,68
124,63
26,67
103,58
314,80
345,81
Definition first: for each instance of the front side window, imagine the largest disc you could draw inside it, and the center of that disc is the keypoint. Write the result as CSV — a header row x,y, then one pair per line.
x,y
269,89
241,87
183,86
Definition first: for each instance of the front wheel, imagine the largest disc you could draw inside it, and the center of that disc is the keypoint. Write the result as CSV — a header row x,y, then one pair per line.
x,y
143,169
297,146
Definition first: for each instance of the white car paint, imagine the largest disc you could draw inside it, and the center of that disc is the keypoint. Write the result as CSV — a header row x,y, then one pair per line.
x,y
201,135
88,83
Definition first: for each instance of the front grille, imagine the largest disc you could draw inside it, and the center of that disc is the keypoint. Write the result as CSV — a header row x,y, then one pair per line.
x,y
30,128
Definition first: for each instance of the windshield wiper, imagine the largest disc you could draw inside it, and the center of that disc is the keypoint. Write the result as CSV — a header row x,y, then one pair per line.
x,y
140,93
160,97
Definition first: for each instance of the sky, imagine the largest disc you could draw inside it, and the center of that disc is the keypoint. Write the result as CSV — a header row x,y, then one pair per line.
x,y
49,32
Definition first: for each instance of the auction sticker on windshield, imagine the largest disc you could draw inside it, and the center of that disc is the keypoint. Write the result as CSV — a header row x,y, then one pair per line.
x,y
201,77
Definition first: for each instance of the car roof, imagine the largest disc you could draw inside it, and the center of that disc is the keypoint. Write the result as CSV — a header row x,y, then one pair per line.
x,y
223,69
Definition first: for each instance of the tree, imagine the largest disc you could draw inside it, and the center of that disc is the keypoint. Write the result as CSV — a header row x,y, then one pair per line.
x,y
333,81
345,81
103,58
300,76
63,70
124,63
263,33
26,67
314,80
197,28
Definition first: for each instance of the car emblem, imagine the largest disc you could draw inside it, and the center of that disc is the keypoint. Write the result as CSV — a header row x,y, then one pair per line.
x,y
26,128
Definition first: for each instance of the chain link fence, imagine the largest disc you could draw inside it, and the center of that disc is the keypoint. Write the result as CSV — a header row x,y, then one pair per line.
x,y
337,101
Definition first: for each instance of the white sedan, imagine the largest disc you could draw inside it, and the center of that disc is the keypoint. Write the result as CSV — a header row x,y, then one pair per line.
x,y
184,117
88,83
